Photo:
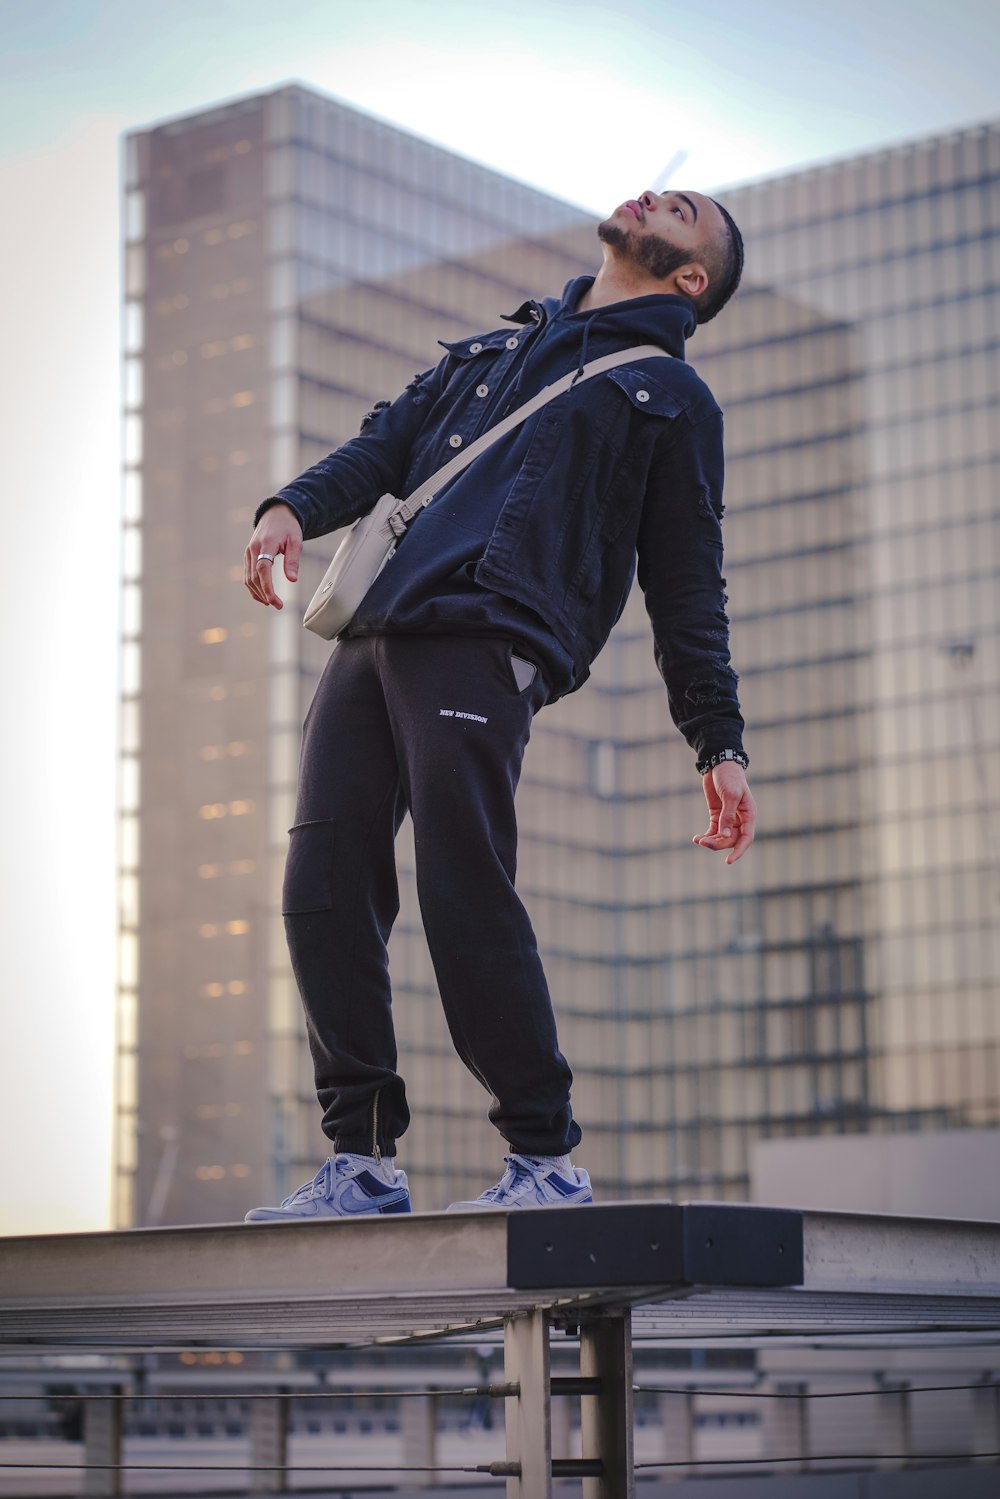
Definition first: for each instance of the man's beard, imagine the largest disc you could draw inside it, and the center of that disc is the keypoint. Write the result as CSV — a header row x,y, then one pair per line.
x,y
653,254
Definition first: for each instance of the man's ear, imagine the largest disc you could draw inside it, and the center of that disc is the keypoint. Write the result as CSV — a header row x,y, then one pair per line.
x,y
691,279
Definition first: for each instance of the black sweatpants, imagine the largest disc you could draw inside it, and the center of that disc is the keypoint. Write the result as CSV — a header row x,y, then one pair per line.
x,y
434,725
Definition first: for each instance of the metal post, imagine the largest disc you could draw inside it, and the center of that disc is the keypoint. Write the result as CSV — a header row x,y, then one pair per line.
x,y
102,1446
606,1418
269,1445
986,1419
419,1423
893,1407
677,1422
527,1415
561,1425
786,1427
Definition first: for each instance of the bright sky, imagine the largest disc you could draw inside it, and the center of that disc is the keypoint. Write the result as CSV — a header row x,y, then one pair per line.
x,y
584,100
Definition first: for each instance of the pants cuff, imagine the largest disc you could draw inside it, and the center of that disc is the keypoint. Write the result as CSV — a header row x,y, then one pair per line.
x,y
362,1145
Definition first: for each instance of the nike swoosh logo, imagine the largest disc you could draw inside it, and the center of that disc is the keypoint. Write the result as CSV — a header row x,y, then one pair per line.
x,y
353,1200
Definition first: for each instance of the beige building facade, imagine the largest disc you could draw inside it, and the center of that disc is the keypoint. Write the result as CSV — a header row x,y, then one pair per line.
x,y
287,263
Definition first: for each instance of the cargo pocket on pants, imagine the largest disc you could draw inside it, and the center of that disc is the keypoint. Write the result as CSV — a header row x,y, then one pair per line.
x,y
308,880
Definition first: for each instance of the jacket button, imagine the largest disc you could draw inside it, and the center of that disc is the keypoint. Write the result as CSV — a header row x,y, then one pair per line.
x,y
474,348
455,440
482,390
512,343
642,395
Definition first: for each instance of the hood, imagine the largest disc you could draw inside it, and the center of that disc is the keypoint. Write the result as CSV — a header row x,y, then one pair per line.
x,y
660,318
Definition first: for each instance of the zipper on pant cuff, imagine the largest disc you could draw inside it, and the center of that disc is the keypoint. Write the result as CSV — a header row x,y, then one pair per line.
x,y
375,1150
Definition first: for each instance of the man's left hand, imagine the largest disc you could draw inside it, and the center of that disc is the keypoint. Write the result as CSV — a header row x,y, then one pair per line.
x,y
732,811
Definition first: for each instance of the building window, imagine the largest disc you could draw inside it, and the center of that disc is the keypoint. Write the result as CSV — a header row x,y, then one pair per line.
x,y
216,989
603,766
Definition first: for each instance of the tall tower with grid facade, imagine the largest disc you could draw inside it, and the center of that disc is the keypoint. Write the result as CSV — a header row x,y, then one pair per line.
x,y
288,261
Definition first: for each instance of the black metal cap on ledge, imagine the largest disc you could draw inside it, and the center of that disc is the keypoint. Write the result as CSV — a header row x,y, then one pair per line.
x,y
654,1243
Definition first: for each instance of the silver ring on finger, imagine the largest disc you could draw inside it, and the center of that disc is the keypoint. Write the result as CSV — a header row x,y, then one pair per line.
x,y
265,557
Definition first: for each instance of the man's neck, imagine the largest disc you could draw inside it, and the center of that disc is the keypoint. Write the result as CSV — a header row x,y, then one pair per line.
x,y
615,282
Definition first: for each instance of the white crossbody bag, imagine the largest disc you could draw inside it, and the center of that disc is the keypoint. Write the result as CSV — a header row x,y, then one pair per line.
x,y
372,540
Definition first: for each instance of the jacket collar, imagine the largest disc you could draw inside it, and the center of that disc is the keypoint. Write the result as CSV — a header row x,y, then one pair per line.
x,y
659,317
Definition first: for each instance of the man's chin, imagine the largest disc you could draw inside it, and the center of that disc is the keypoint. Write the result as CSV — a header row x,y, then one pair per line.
x,y
613,234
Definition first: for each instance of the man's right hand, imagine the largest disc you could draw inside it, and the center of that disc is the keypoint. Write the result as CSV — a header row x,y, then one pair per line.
x,y
278,531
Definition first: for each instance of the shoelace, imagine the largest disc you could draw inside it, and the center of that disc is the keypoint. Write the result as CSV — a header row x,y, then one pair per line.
x,y
513,1183
319,1186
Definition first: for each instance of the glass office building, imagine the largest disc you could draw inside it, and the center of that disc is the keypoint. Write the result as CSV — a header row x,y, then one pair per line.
x,y
288,262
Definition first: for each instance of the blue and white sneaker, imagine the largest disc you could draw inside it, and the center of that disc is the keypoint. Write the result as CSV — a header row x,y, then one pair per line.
x,y
530,1182
342,1188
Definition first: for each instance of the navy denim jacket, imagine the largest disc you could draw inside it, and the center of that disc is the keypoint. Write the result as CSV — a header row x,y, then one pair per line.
x,y
622,473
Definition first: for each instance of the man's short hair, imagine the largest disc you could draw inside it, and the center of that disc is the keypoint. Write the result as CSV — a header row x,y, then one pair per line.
x,y
723,258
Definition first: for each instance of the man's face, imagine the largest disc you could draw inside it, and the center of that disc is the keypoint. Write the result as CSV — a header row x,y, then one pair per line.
x,y
662,232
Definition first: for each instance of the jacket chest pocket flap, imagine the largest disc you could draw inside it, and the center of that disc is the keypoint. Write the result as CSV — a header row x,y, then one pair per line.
x,y
647,394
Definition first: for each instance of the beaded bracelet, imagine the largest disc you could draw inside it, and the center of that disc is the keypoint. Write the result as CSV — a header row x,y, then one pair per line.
x,y
702,766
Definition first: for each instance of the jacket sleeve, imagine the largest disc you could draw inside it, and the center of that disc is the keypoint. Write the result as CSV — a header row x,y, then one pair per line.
x,y
680,558
350,481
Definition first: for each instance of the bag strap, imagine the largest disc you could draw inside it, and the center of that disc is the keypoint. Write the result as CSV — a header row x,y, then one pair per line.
x,y
407,509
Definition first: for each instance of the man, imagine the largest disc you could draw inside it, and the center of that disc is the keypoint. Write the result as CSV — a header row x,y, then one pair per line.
x,y
497,600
